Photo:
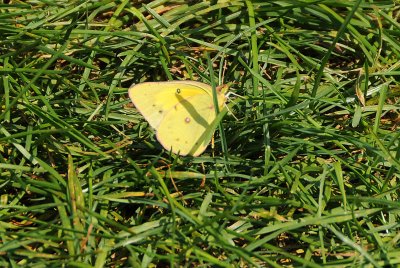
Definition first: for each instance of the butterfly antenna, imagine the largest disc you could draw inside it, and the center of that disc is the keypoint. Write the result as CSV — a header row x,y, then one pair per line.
x,y
230,112
234,94
227,96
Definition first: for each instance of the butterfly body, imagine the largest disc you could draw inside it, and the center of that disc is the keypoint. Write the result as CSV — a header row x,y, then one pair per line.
x,y
181,112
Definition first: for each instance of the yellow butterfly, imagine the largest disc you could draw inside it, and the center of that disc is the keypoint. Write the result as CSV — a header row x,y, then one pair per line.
x,y
181,112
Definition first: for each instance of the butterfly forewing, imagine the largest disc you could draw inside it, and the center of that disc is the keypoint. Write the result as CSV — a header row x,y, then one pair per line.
x,y
154,99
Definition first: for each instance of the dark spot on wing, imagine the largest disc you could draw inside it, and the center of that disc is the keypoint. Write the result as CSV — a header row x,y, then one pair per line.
x,y
178,91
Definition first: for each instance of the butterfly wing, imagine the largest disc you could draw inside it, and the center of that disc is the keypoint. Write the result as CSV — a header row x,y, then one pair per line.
x,y
154,99
182,113
184,128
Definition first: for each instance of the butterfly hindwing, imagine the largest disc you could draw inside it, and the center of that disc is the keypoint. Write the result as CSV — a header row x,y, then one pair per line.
x,y
183,128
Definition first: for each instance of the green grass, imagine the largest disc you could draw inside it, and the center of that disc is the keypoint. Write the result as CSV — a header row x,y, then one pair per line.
x,y
309,173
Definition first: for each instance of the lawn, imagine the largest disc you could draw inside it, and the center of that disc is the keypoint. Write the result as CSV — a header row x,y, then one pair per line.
x,y
303,169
